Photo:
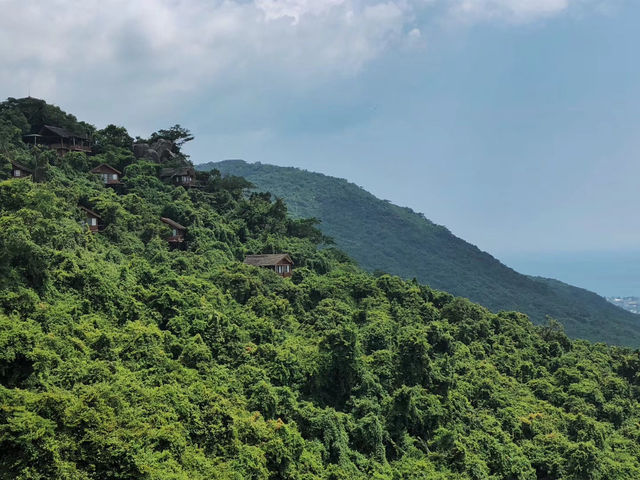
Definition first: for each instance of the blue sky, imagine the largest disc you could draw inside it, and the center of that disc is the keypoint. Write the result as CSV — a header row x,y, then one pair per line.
x,y
516,123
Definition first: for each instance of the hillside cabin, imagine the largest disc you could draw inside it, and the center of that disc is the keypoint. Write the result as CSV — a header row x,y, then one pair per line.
x,y
92,219
180,177
176,240
60,140
20,171
109,175
280,263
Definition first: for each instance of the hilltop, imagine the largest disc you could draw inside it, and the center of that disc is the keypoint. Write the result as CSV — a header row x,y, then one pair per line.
x,y
124,356
384,237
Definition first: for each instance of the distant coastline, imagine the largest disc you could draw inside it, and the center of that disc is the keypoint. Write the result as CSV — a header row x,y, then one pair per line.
x,y
632,304
610,274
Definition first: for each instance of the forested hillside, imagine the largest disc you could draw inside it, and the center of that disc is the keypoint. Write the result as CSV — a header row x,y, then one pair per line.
x,y
121,358
382,236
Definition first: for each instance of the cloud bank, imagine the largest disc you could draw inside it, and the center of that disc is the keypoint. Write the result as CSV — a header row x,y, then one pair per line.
x,y
153,52
514,10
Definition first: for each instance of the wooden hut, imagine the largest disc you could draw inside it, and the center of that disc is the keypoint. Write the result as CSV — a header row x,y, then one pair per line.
x,y
61,140
92,219
176,240
181,176
20,171
280,263
109,175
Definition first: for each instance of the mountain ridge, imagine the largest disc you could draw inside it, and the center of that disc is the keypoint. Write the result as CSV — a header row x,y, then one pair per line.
x,y
368,229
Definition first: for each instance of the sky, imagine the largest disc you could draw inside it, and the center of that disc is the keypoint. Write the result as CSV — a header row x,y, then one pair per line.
x,y
515,123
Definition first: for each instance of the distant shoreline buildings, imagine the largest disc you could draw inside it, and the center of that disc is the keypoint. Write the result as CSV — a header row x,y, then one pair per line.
x,y
632,304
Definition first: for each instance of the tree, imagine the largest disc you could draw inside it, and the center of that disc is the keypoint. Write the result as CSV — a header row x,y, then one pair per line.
x,y
341,369
43,162
10,137
112,136
176,134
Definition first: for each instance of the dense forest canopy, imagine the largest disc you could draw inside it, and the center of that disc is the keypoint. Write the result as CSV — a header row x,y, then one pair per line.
x,y
29,115
123,359
384,237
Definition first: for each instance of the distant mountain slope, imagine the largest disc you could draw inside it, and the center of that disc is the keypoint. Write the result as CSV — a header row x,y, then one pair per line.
x,y
380,235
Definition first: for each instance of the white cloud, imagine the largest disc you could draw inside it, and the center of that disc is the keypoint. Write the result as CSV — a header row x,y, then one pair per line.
x,y
294,9
515,10
167,46
156,53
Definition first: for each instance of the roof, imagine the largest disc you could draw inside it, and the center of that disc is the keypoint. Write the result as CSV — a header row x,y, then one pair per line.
x,y
267,260
90,212
61,132
167,172
173,224
21,167
105,166
172,172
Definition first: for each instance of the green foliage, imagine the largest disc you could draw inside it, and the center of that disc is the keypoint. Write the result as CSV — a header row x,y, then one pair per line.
x,y
123,359
383,237
112,137
176,134
31,114
10,137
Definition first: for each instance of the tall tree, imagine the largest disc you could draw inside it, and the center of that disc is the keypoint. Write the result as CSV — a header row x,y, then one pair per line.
x,y
176,134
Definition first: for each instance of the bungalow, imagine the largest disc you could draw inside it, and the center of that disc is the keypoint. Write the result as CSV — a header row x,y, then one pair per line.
x,y
19,171
176,240
60,140
280,263
109,175
92,219
182,176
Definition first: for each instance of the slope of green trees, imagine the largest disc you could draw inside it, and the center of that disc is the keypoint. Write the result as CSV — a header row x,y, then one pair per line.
x,y
383,236
123,359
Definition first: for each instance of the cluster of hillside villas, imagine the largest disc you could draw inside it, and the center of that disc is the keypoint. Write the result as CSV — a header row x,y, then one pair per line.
x,y
63,142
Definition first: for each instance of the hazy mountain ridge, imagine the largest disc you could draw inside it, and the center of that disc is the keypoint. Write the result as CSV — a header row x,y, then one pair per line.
x,y
384,236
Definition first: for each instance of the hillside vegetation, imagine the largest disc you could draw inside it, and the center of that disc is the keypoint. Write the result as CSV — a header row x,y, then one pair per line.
x,y
384,237
123,359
